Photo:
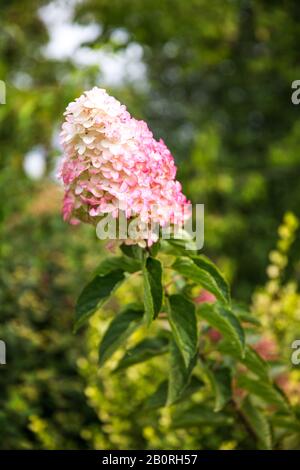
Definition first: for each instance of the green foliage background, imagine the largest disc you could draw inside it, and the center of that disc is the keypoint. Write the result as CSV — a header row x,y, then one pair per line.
x,y
218,90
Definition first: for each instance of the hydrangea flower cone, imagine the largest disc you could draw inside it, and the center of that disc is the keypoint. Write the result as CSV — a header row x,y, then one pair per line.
x,y
112,163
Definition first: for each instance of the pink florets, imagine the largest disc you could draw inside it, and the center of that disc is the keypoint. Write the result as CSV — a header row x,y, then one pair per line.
x,y
112,162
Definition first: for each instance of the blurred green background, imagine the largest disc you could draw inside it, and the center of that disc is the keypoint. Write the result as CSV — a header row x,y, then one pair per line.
x,y
213,79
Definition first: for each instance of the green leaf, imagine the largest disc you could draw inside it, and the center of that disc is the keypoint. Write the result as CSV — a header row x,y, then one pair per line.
x,y
159,397
95,294
132,251
266,391
129,265
244,315
258,423
200,415
153,291
120,328
256,364
226,323
178,246
251,360
108,276
179,374
204,263
284,422
183,322
220,380
154,249
200,270
144,350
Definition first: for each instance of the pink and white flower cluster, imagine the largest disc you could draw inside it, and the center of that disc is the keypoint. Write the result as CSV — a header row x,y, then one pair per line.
x,y
113,163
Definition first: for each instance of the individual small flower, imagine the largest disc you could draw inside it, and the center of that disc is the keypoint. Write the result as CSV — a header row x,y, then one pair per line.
x,y
113,163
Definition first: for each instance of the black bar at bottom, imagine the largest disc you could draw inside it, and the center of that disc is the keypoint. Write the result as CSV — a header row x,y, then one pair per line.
x,y
137,458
